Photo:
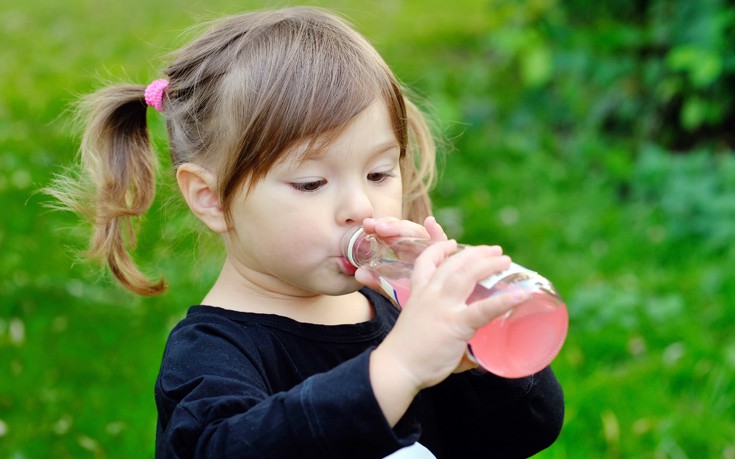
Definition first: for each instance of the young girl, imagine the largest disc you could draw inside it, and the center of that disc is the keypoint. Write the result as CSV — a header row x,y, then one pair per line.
x,y
286,130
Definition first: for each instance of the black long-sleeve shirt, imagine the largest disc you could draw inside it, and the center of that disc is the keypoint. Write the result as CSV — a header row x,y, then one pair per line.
x,y
235,384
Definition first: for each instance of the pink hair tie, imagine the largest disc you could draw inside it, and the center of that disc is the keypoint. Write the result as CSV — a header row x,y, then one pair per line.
x,y
154,94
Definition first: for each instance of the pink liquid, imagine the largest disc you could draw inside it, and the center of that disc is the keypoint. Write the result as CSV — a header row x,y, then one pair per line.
x,y
523,343
515,345
398,289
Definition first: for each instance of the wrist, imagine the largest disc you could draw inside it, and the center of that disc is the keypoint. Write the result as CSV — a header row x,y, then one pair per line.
x,y
393,385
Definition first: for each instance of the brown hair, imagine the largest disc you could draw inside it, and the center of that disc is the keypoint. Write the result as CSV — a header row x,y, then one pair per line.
x,y
239,96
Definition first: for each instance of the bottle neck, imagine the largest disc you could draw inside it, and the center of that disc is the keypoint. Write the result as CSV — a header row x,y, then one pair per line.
x,y
351,242
362,249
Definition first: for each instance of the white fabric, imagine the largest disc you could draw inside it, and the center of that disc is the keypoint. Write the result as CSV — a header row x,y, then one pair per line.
x,y
415,451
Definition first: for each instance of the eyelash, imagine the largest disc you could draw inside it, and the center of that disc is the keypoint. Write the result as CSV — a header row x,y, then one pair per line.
x,y
381,176
308,187
313,186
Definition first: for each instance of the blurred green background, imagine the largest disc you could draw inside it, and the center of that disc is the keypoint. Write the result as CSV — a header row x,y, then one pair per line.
x,y
593,140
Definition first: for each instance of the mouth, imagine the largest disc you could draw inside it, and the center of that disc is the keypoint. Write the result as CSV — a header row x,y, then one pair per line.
x,y
346,267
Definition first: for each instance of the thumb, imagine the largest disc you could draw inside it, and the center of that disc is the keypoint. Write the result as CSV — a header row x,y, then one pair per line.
x,y
367,278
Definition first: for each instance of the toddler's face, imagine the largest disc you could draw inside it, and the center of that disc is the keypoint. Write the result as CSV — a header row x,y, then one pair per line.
x,y
287,230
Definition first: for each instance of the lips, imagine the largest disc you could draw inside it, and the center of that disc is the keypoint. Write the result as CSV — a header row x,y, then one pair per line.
x,y
346,267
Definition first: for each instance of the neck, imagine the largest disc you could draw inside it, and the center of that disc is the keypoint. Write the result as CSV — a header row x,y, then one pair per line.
x,y
237,291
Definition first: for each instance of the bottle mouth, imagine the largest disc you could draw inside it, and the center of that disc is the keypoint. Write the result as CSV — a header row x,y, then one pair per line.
x,y
348,244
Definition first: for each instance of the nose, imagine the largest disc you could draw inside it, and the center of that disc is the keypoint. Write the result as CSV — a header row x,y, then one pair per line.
x,y
355,206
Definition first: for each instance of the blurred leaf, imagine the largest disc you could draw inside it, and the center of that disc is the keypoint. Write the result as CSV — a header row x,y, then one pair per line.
x,y
703,66
536,66
694,113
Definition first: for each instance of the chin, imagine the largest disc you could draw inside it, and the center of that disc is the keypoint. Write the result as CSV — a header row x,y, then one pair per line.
x,y
345,289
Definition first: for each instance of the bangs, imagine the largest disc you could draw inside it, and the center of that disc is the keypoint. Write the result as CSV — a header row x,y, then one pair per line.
x,y
298,81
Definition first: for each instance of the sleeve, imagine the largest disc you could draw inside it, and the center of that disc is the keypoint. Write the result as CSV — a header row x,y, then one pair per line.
x,y
483,415
213,402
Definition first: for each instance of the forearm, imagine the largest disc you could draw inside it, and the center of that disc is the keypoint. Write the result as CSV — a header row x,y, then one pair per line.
x,y
332,414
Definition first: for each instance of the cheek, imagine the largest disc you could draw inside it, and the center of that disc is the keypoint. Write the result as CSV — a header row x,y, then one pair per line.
x,y
291,237
391,204
295,241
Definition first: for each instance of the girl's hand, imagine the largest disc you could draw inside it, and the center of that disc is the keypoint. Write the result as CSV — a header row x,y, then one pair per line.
x,y
429,339
392,227
388,228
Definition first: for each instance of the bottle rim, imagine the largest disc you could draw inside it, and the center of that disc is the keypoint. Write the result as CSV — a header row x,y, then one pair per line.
x,y
351,238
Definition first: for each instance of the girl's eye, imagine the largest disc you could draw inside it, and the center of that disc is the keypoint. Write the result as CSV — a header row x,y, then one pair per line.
x,y
379,176
308,187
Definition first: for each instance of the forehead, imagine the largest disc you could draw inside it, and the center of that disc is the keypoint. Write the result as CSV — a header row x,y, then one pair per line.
x,y
371,130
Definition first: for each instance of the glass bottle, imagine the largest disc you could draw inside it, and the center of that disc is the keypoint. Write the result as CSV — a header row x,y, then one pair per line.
x,y
516,344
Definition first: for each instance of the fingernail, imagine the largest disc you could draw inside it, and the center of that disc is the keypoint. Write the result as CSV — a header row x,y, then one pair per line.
x,y
520,295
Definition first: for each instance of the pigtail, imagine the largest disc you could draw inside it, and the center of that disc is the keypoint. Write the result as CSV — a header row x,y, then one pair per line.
x,y
117,181
419,168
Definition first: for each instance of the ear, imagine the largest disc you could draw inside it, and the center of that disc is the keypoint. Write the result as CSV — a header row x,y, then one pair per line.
x,y
199,188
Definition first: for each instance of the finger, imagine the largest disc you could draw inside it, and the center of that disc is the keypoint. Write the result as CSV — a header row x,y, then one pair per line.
x,y
436,232
426,264
459,274
367,277
369,224
389,228
481,312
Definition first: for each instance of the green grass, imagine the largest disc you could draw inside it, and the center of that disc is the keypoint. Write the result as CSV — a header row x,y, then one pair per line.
x,y
637,240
